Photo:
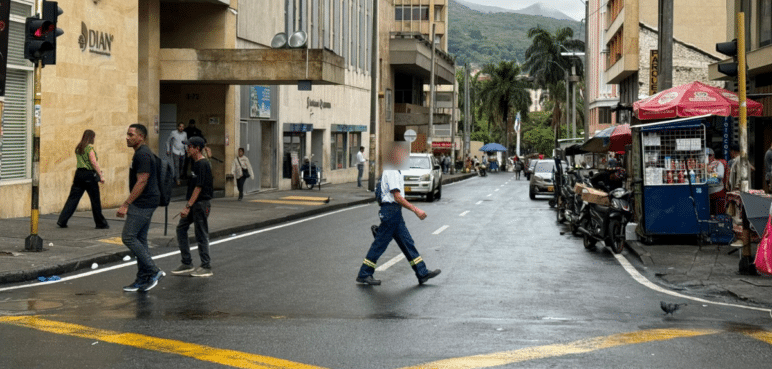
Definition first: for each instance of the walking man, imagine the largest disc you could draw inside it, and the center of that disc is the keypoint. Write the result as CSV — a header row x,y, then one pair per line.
x,y
393,225
196,212
139,207
360,165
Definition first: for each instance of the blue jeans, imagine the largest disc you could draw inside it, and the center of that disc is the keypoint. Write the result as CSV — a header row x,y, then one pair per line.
x,y
198,216
392,226
134,236
361,169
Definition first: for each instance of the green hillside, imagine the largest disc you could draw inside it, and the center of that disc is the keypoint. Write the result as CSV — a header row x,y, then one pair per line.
x,y
481,38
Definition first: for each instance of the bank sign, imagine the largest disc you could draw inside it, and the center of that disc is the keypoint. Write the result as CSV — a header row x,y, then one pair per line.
x,y
95,41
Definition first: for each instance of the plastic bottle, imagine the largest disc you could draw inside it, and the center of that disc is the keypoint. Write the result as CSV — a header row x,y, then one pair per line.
x,y
692,176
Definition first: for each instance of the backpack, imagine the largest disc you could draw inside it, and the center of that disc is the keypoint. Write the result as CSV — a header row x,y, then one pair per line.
x,y
165,175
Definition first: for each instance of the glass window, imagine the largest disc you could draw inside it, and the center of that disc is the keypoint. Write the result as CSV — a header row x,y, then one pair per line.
x,y
765,22
421,162
398,12
338,150
438,13
354,141
293,146
421,13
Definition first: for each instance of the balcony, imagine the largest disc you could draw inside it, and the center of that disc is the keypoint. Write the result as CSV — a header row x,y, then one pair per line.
x,y
251,66
412,54
416,115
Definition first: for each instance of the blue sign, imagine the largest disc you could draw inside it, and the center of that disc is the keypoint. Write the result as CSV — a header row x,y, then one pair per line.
x,y
298,127
347,128
260,102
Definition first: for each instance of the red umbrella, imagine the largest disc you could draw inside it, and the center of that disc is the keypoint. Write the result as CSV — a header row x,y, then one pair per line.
x,y
691,100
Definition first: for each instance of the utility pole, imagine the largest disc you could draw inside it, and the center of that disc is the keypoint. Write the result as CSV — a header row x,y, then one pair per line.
x,y
573,99
373,98
747,254
453,124
467,115
587,62
665,45
431,93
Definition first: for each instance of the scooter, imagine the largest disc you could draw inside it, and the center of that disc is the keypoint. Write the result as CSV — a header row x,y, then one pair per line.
x,y
481,170
576,211
607,223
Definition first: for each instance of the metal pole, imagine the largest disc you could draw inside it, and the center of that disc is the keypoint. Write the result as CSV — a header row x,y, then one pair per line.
x,y
665,45
373,98
33,242
431,93
453,124
467,115
587,62
573,99
744,165
567,109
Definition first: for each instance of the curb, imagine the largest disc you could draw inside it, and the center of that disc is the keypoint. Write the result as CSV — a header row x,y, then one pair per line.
x,y
75,265
636,248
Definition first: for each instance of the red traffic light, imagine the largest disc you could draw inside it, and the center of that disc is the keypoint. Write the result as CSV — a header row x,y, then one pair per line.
x,y
44,29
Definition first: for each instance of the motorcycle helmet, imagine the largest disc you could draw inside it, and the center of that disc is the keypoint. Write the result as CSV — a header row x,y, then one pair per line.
x,y
612,164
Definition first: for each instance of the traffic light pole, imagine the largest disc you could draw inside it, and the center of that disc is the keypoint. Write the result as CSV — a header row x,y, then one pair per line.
x,y
743,115
33,242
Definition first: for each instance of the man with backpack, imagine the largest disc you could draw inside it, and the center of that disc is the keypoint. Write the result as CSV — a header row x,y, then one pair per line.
x,y
389,193
139,207
196,211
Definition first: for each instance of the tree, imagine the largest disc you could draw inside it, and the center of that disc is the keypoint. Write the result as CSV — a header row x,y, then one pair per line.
x,y
501,96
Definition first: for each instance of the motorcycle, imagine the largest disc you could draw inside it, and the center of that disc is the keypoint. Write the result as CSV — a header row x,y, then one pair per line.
x,y
607,223
481,170
575,210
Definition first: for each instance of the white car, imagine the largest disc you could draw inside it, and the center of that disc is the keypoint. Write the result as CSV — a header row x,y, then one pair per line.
x,y
423,176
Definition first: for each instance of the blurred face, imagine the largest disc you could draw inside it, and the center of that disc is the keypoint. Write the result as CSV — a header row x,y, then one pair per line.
x,y
180,127
396,159
192,151
241,152
134,138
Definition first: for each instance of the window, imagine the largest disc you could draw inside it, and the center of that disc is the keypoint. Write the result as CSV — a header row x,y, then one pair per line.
x,y
398,12
421,13
765,22
354,140
438,13
338,150
16,123
437,39
604,115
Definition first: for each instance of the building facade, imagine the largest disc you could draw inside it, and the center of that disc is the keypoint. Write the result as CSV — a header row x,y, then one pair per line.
x,y
119,63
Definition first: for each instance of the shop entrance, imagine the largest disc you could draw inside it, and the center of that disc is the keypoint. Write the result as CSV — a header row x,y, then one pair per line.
x,y
250,138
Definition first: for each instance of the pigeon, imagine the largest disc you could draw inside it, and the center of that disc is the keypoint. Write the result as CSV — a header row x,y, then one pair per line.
x,y
669,308
374,229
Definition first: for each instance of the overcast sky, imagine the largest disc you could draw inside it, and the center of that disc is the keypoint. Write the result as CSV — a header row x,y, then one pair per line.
x,y
571,8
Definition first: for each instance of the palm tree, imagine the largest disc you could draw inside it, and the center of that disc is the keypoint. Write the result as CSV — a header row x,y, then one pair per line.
x,y
505,93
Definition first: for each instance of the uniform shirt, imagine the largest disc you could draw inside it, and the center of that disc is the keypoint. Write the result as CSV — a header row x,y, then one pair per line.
x,y
144,162
83,160
193,132
201,177
360,158
392,180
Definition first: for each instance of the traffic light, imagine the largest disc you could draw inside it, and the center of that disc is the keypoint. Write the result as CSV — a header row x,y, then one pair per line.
x,y
40,35
51,13
729,49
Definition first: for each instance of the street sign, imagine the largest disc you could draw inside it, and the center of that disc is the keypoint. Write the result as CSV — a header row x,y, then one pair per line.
x,y
410,135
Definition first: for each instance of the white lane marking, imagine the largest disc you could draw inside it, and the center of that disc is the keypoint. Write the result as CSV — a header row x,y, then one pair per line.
x,y
133,262
642,280
496,190
464,213
489,195
389,263
503,185
478,203
441,229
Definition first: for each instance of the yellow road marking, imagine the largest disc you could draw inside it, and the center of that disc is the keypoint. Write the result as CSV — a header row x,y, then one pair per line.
x,y
759,335
199,352
289,202
576,347
306,198
115,240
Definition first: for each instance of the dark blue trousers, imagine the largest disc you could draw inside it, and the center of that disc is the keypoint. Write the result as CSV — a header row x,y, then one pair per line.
x,y
392,227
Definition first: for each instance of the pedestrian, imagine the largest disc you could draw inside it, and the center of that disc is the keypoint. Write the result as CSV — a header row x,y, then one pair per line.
x,y
139,207
196,212
88,176
447,162
518,167
392,224
191,131
716,190
360,165
175,149
242,170
768,170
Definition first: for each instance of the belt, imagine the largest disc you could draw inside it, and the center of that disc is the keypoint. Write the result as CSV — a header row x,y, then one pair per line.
x,y
390,204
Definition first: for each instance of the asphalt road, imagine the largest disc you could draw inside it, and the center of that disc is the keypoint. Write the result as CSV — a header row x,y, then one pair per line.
x,y
513,292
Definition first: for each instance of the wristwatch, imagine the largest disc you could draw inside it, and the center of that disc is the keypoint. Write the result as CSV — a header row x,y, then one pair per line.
x,y
187,206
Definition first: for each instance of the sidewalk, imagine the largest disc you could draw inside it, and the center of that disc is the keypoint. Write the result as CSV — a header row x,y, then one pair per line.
x,y
80,245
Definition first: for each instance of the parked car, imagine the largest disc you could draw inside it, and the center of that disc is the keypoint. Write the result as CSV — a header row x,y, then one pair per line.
x,y
423,176
528,170
542,177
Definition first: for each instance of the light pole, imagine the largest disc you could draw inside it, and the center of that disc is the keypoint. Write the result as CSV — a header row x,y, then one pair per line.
x,y
565,72
573,111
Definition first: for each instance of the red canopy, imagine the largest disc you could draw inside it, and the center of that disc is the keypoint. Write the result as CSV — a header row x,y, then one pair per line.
x,y
691,100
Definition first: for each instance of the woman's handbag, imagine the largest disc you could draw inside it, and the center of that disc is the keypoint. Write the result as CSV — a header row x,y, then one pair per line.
x,y
764,252
244,173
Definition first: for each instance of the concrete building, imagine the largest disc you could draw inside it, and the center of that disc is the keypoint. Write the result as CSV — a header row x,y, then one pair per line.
x,y
758,41
162,62
620,44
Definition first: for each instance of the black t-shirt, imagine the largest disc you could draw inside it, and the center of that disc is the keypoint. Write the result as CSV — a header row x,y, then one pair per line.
x,y
193,132
201,177
144,162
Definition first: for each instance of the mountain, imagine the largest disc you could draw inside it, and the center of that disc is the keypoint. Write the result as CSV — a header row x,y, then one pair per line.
x,y
479,38
535,9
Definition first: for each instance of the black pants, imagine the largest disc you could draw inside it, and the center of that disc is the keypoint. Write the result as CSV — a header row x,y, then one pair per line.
x,y
85,181
240,185
198,217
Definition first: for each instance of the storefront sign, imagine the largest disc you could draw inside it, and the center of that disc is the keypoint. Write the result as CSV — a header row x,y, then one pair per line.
x,y
97,42
347,128
441,145
260,102
653,71
318,104
298,127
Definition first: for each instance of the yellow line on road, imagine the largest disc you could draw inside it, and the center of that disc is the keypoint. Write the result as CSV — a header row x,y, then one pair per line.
x,y
306,198
289,202
114,240
199,352
572,348
759,335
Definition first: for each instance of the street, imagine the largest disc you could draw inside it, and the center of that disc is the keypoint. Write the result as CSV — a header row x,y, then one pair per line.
x,y
513,292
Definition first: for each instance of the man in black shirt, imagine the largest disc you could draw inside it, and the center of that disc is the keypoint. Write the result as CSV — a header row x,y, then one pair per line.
x,y
191,131
196,211
139,207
